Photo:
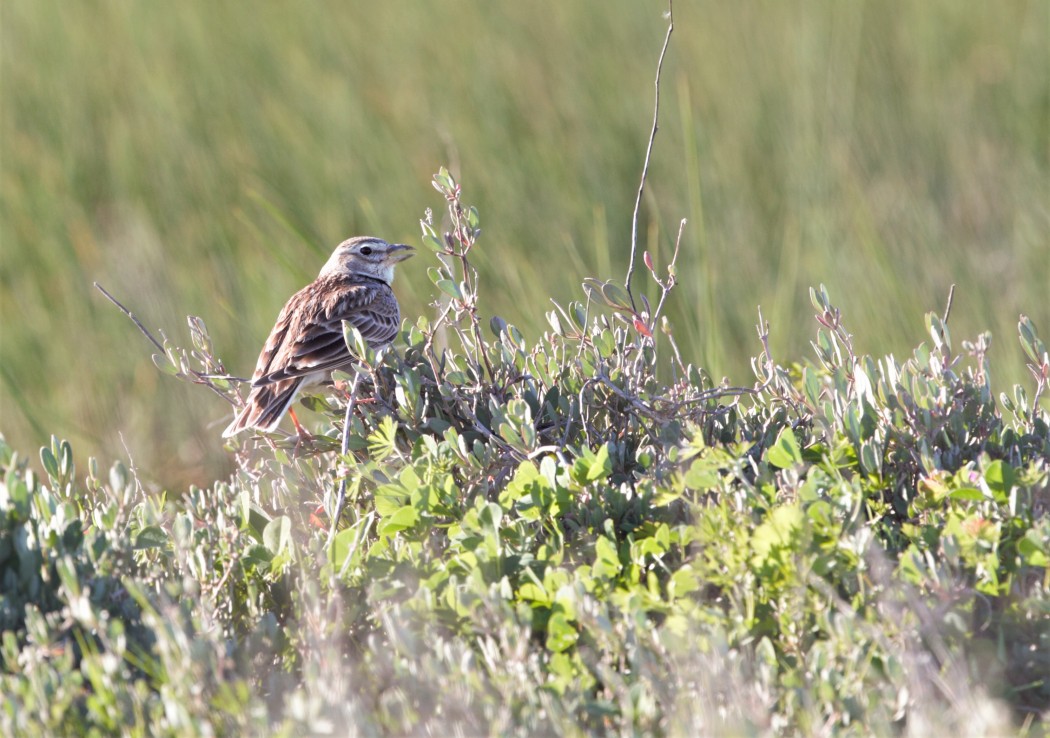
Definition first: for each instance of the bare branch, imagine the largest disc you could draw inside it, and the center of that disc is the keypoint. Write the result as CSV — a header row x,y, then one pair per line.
x,y
948,307
648,154
183,372
131,315
672,280
344,448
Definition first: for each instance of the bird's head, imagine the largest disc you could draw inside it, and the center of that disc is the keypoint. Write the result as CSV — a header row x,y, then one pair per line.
x,y
372,257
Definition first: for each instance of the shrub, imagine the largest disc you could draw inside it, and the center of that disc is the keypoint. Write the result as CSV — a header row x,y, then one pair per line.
x,y
580,534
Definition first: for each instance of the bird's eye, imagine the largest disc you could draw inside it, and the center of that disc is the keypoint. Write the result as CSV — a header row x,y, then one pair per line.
x,y
366,250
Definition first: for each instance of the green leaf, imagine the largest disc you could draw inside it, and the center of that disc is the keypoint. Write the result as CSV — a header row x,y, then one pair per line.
x,y
821,514
967,493
253,518
382,442
343,545
164,364
938,331
811,384
450,288
1000,478
67,574
497,325
607,559
355,342
516,336
666,494
683,581
65,459
389,498
18,493
663,536
555,323
49,461
403,518
1030,342
816,300
151,537
766,652
601,465
561,634
1033,548
593,289
785,452
777,531
277,537
258,557
443,181
118,477
533,592
579,315
616,296
869,457
703,474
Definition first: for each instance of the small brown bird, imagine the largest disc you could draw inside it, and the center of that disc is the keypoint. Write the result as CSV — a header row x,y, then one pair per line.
x,y
306,344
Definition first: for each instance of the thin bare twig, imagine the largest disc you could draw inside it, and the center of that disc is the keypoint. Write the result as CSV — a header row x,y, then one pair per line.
x,y
677,357
672,280
181,371
343,449
648,155
948,307
131,315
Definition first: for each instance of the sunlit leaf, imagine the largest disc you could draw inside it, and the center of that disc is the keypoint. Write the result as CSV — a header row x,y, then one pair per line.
x,y
785,452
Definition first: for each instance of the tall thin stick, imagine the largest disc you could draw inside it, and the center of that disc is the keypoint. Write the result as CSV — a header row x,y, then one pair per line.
x,y
131,315
948,307
341,496
648,154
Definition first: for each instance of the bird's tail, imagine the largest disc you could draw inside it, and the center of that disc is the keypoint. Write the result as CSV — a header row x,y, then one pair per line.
x,y
266,405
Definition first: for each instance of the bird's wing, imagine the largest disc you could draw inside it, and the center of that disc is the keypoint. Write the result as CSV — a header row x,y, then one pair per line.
x,y
308,336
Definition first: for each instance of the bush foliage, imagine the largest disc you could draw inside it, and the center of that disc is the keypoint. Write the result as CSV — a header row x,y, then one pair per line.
x,y
581,534
203,158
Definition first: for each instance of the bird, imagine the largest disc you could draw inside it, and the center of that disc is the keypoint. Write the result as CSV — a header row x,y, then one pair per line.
x,y
307,344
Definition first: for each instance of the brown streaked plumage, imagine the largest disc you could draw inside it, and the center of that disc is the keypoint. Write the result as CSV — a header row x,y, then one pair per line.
x,y
306,343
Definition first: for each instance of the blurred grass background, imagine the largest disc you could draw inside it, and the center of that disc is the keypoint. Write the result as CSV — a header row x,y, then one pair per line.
x,y
204,158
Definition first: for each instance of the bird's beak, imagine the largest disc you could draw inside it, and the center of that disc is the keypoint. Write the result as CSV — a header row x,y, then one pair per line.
x,y
399,252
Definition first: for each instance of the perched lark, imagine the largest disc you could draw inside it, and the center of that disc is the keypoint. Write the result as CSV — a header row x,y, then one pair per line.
x,y
306,343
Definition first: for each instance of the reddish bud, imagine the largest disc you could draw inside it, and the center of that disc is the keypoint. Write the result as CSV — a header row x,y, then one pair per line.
x,y
641,327
315,519
648,260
